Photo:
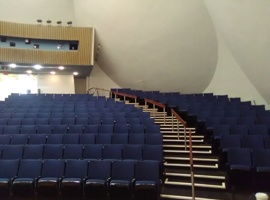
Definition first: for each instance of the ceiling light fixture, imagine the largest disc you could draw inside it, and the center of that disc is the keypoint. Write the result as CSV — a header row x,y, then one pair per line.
x,y
69,23
75,73
59,46
12,65
52,72
59,22
38,66
61,67
29,72
39,21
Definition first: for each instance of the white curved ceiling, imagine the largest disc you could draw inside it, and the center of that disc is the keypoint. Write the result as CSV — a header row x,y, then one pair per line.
x,y
153,44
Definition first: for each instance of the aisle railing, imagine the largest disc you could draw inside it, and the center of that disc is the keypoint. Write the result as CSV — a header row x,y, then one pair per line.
x,y
99,92
125,96
156,104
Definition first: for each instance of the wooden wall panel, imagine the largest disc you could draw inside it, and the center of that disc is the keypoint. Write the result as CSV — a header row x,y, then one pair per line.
x,y
81,34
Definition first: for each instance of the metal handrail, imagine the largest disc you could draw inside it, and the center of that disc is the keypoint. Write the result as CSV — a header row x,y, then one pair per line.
x,y
96,90
191,167
126,95
155,103
179,119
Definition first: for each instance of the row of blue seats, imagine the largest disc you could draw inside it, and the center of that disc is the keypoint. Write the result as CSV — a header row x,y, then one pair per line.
x,y
80,151
249,167
78,129
83,113
199,104
210,122
72,108
244,141
218,131
150,139
74,178
251,129
51,95
174,98
78,121
36,100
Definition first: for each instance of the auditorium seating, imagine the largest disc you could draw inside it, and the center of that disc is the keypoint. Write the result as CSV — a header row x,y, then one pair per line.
x,y
58,147
226,123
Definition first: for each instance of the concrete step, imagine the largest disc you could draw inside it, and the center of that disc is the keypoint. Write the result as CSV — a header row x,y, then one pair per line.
x,y
196,184
175,141
181,136
179,197
196,176
205,152
167,158
183,146
202,166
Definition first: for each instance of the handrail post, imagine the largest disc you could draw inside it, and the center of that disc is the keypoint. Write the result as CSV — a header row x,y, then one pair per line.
x,y
154,107
185,136
191,167
164,115
145,103
172,122
178,129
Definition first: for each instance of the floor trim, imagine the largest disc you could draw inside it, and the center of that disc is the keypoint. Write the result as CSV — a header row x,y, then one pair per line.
x,y
183,197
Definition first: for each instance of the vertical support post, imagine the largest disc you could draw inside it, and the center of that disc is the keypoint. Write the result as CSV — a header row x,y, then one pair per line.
x,y
164,115
124,98
154,108
172,121
191,167
145,104
178,129
185,137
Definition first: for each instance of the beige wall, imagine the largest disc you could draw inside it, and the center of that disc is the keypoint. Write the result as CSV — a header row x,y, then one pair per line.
x,y
101,80
80,85
63,84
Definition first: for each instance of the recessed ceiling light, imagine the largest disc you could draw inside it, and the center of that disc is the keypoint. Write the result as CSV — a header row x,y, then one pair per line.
x,y
52,72
12,65
75,73
29,72
38,66
61,67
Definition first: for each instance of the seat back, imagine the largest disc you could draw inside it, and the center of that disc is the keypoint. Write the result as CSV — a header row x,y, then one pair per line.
x,y
112,151
12,152
99,169
76,169
73,151
34,151
29,168
147,170
92,151
53,168
132,152
123,170
53,151
9,168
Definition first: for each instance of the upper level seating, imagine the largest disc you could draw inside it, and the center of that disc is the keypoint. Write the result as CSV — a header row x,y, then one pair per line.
x,y
226,123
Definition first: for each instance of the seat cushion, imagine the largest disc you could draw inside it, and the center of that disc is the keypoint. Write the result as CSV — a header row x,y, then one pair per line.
x,y
23,187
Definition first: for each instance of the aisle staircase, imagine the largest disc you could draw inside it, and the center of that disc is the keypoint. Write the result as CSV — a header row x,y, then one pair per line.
x,y
209,180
